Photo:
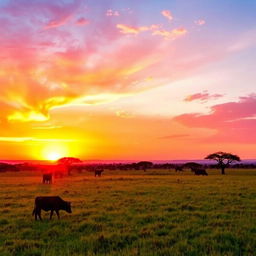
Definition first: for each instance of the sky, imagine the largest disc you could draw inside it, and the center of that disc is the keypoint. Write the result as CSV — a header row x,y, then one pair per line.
x,y
127,79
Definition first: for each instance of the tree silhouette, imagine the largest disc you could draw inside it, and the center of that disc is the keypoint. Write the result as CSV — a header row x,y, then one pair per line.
x,y
192,165
224,159
68,161
144,165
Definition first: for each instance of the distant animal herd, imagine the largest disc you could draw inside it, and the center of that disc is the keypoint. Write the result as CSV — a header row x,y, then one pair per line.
x,y
55,203
67,165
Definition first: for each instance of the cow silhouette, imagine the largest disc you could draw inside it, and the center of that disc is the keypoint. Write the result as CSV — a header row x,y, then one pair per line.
x,y
47,178
178,169
50,203
98,172
199,171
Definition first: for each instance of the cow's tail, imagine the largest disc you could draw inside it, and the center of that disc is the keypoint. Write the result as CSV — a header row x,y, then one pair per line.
x,y
34,212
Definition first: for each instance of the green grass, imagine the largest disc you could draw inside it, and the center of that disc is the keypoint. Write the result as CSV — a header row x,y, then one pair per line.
x,y
158,212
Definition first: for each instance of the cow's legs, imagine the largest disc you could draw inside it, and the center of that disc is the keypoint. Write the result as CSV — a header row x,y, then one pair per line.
x,y
51,214
57,212
35,214
39,214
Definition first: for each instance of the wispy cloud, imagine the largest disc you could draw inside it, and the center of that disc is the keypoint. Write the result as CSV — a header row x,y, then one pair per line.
x,y
82,21
175,136
167,14
57,23
173,34
125,29
124,114
111,12
154,29
200,22
205,96
27,139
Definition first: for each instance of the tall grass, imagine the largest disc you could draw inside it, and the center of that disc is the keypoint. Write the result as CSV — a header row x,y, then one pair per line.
x,y
158,212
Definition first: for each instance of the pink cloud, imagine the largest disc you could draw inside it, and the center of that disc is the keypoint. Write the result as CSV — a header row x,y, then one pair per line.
x,y
200,22
111,12
57,23
54,67
205,96
232,121
167,14
82,21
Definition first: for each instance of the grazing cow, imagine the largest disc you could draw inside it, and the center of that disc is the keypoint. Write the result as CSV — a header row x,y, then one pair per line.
x,y
47,178
50,203
178,169
98,172
198,171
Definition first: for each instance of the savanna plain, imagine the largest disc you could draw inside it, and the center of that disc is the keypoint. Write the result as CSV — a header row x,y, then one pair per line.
x,y
157,212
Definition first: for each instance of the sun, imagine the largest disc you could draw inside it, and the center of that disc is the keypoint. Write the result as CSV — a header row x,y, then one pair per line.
x,y
53,156
54,152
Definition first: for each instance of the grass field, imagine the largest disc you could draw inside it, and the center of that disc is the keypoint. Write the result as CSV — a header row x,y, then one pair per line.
x,y
132,213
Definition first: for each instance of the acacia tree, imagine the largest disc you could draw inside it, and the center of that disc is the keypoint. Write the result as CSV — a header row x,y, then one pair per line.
x,y
223,159
67,162
144,165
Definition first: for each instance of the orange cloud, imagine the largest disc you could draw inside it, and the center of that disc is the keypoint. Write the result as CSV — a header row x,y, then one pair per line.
x,y
128,29
205,96
173,34
124,114
136,30
53,68
26,139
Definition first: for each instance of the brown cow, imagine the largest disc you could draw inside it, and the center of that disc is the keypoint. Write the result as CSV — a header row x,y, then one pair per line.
x,y
178,169
47,178
98,172
199,171
50,203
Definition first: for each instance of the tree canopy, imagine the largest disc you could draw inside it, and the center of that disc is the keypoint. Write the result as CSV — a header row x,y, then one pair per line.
x,y
224,159
68,160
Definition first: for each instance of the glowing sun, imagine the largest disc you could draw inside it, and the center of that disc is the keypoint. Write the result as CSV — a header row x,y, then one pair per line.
x,y
53,156
54,152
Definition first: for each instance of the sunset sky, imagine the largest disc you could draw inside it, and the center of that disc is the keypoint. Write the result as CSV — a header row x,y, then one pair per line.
x,y
127,79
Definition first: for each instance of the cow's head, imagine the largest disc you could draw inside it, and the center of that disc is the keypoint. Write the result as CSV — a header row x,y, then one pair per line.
x,y
68,207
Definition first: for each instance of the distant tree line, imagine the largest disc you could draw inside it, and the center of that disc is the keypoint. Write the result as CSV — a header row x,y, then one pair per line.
x,y
223,161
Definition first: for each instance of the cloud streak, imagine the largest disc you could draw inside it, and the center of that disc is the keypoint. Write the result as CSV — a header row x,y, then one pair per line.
x,y
203,97
232,121
31,139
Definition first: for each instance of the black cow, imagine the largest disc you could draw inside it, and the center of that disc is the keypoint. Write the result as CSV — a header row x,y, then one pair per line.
x,y
98,172
178,169
198,171
50,203
47,178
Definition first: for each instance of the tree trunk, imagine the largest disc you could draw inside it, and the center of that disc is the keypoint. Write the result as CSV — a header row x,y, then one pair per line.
x,y
223,170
